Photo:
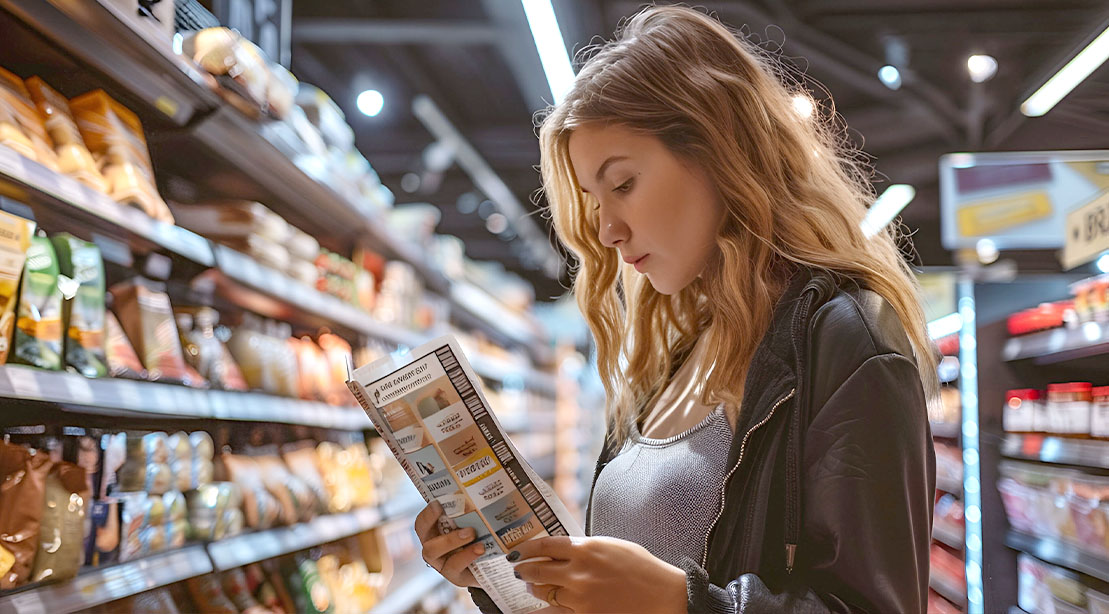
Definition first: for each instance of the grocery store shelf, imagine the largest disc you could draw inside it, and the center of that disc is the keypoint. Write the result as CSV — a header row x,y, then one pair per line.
x,y
1058,345
1059,553
250,548
100,585
126,397
1061,450
945,430
81,204
946,587
949,485
143,67
948,534
413,588
299,297
480,305
503,371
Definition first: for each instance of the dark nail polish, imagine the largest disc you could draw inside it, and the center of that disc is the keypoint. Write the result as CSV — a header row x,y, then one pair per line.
x,y
517,574
513,556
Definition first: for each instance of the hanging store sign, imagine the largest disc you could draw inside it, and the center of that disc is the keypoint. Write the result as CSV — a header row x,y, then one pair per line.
x,y
1087,232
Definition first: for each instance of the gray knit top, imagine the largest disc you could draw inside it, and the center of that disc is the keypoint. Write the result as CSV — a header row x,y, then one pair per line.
x,y
664,494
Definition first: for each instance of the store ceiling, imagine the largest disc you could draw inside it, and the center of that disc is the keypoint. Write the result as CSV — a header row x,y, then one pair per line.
x,y
477,62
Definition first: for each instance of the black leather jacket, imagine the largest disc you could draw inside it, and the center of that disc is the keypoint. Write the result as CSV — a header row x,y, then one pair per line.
x,y
827,505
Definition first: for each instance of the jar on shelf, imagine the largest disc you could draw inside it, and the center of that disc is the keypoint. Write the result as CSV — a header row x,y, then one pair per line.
x,y
1099,413
1069,407
1023,409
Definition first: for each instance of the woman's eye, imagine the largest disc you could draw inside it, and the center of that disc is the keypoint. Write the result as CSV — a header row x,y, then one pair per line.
x,y
623,187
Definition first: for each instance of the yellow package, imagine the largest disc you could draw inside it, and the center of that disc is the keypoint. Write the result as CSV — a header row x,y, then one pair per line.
x,y
73,157
15,240
114,136
23,112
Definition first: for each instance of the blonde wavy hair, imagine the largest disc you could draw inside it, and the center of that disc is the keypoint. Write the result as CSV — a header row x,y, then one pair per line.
x,y
794,191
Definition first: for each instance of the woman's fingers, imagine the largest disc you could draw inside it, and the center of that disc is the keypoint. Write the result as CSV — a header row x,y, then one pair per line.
x,y
544,572
427,521
439,547
455,567
549,593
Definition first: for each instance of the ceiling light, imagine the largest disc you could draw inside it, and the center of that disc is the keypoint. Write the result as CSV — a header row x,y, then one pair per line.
x,y
803,106
370,102
987,251
1103,263
982,68
890,77
889,204
551,47
1068,77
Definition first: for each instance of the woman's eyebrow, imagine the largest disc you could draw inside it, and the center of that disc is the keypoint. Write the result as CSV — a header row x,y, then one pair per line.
x,y
607,163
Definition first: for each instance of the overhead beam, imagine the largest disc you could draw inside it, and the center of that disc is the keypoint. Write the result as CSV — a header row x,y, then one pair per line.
x,y
394,32
518,50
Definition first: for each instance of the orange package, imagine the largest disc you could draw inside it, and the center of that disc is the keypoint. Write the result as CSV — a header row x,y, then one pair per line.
x,y
114,136
74,158
14,95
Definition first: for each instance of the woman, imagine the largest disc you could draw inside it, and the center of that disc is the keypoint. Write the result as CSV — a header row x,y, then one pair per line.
x,y
767,364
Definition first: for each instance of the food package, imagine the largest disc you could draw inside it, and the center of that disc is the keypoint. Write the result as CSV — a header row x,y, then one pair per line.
x,y
237,589
281,91
338,355
80,262
61,532
121,356
304,271
302,245
22,493
303,463
313,370
348,476
260,509
202,445
222,51
139,512
106,509
38,326
309,593
251,350
278,477
176,507
214,511
206,353
207,593
73,156
114,135
233,220
15,241
17,101
328,118
180,461
146,316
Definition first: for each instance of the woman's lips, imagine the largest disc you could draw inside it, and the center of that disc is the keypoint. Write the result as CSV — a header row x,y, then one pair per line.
x,y
638,264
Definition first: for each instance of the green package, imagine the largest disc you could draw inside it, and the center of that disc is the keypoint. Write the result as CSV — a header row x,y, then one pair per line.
x,y
38,326
308,590
80,261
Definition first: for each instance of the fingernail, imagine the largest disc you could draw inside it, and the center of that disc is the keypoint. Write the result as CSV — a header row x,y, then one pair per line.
x,y
479,549
513,556
517,574
466,535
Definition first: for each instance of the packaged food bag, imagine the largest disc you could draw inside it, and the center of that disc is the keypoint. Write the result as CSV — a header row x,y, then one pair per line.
x,y
38,325
14,95
74,158
147,319
114,135
80,261
15,241
22,494
61,533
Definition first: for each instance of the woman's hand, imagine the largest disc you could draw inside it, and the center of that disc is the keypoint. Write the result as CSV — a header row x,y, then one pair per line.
x,y
599,574
450,553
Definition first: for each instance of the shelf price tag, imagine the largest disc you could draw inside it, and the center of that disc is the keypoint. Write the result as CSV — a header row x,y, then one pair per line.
x,y
1087,232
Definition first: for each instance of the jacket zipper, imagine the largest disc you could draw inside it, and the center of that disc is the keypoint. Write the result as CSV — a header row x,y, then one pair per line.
x,y
728,477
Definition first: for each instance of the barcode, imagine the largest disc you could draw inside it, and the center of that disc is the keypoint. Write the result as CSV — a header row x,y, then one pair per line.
x,y
542,510
502,452
461,383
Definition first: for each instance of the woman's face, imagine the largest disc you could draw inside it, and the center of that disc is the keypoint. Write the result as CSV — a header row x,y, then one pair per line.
x,y
661,214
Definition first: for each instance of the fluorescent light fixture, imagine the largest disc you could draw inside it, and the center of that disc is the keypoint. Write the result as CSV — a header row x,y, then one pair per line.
x,y
803,106
370,102
947,325
551,48
890,77
1068,77
982,68
888,205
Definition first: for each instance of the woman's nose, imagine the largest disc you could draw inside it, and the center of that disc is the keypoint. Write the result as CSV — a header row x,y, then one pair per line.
x,y
613,230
